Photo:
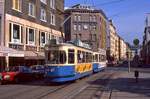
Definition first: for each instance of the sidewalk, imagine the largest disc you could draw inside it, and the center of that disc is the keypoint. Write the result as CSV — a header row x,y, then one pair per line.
x,y
124,87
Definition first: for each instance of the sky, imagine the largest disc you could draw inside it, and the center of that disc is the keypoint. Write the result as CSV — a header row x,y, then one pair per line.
x,y
128,15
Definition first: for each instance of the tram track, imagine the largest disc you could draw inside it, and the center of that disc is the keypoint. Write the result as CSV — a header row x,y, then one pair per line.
x,y
95,84
33,92
76,89
94,91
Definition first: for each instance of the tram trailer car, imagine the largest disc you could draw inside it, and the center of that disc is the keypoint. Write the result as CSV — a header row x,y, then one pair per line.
x,y
99,61
67,62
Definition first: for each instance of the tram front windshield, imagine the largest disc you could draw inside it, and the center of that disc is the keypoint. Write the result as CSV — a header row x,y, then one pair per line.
x,y
56,57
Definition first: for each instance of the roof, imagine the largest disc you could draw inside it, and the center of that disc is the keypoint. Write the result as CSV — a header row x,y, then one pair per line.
x,y
89,9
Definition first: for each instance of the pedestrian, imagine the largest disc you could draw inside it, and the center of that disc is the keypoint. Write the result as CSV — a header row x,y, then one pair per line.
x,y
136,74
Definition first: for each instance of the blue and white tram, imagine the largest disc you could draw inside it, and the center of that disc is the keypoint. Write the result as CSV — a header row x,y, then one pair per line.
x,y
99,60
67,62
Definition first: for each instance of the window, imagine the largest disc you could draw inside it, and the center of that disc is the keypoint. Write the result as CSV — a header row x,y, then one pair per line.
x,y
43,14
75,27
17,5
43,38
52,19
80,36
80,57
52,37
15,33
88,57
71,56
44,1
75,18
96,57
31,9
79,18
79,27
94,18
52,4
31,36
94,27
56,57
85,27
94,38
90,18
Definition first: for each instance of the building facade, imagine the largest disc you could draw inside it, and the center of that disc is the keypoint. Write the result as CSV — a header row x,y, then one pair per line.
x,y
26,26
113,43
87,24
117,47
145,52
123,48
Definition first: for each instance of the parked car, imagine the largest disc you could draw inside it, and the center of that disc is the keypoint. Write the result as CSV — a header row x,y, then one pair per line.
x,y
38,71
17,74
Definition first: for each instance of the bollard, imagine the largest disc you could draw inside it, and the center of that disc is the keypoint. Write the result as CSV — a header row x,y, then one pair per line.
x,y
136,74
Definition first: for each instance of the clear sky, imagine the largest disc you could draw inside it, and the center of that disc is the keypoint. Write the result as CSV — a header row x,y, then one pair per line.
x,y
128,15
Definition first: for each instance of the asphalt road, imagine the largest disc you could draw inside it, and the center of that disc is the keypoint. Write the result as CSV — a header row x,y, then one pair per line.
x,y
85,88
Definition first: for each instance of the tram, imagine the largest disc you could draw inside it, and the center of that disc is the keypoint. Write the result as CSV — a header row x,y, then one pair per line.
x,y
68,62
99,61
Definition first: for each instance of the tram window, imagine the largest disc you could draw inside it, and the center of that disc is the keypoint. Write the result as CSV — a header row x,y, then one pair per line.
x,y
90,57
93,58
70,56
80,57
62,57
103,58
87,60
84,57
53,57
56,57
99,58
96,57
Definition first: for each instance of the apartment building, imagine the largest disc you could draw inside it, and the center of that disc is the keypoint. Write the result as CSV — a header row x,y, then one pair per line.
x,y
123,48
113,43
117,47
87,24
145,52
26,26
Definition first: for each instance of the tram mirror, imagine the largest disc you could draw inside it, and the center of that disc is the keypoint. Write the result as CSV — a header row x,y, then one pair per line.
x,y
81,55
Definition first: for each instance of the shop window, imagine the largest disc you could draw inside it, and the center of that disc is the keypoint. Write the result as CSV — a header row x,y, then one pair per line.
x,y
15,33
31,36
43,38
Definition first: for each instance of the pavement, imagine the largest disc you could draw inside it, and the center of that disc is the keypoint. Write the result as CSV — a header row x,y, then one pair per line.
x,y
124,86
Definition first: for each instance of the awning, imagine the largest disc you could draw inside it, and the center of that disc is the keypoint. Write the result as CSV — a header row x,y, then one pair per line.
x,y
5,51
34,55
